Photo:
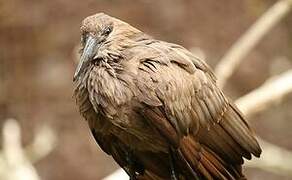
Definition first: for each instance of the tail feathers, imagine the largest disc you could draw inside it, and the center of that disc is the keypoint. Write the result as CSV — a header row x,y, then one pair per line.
x,y
206,163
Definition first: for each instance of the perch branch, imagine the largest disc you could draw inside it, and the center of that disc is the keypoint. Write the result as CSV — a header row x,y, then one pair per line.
x,y
274,159
119,174
250,39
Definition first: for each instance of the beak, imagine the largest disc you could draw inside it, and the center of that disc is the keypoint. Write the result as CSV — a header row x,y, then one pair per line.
x,y
88,53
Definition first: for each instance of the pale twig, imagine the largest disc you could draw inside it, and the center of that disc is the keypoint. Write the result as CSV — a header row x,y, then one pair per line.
x,y
250,39
14,163
272,91
43,143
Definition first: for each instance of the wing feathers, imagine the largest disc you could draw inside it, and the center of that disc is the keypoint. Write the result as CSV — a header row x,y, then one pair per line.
x,y
235,125
156,119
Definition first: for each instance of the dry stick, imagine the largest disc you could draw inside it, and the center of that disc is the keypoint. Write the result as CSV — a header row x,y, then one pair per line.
x,y
250,39
272,91
14,163
44,143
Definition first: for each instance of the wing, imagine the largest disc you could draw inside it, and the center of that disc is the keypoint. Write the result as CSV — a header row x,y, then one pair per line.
x,y
205,129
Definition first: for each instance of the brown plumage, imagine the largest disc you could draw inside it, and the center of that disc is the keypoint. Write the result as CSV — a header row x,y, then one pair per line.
x,y
155,107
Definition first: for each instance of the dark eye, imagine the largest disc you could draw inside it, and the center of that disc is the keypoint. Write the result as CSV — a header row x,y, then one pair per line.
x,y
107,30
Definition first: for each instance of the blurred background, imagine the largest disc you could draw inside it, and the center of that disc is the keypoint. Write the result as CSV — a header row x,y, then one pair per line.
x,y
38,46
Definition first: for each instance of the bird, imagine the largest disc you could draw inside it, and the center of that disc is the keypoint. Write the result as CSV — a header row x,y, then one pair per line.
x,y
156,108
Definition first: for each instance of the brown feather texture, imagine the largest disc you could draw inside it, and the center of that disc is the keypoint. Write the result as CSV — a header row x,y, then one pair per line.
x,y
155,107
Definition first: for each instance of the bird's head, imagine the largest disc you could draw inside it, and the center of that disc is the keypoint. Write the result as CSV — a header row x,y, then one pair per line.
x,y
102,39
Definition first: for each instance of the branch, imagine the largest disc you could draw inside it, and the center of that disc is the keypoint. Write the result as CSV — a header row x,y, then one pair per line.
x,y
14,164
250,39
43,143
271,92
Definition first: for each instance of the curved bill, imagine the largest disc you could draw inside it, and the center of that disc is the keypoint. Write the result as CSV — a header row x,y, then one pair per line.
x,y
87,54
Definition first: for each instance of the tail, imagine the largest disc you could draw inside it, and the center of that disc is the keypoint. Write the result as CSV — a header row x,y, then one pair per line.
x,y
214,153
218,153
203,163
